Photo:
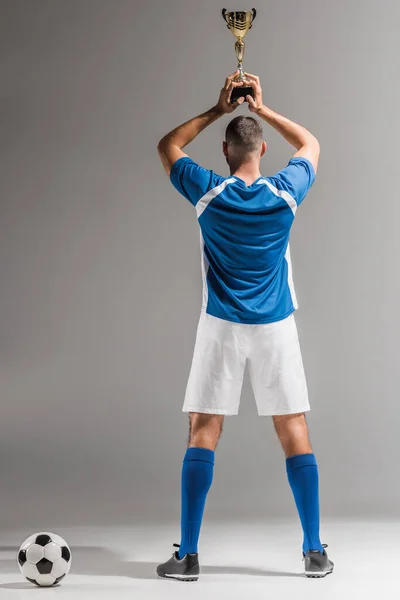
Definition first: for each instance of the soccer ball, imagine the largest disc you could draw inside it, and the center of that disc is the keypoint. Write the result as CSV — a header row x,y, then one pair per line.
x,y
44,559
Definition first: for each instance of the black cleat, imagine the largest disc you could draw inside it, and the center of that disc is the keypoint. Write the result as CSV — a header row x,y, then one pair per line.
x,y
317,563
185,569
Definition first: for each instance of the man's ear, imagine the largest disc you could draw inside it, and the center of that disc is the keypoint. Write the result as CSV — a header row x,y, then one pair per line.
x,y
263,148
225,148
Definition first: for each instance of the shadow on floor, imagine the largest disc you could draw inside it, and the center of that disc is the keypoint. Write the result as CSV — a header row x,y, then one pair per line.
x,y
20,585
103,562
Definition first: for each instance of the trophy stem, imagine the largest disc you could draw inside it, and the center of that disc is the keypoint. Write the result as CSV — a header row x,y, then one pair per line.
x,y
239,49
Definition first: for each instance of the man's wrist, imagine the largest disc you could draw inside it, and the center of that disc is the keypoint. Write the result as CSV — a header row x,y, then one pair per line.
x,y
217,111
262,111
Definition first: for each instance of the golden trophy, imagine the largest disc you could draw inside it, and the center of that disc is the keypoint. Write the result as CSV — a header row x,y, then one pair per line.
x,y
239,23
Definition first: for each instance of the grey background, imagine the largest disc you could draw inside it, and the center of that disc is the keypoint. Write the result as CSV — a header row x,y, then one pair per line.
x,y
100,271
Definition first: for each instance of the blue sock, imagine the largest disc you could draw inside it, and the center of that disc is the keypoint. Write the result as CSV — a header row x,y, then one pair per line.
x,y
197,474
302,471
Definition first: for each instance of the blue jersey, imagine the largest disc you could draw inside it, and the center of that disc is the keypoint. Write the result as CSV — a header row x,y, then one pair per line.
x,y
244,235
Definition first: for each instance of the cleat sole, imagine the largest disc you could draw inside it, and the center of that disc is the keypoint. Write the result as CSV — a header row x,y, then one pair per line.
x,y
179,577
314,575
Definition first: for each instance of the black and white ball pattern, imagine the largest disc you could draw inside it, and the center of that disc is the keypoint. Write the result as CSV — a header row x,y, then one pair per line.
x,y
44,559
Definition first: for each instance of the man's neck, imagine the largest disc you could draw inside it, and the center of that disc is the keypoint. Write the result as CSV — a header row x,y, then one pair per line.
x,y
248,172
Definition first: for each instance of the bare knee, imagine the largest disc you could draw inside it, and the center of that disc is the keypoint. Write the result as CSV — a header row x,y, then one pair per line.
x,y
292,431
204,430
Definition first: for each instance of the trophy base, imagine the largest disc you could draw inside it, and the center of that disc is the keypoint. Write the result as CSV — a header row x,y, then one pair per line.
x,y
241,91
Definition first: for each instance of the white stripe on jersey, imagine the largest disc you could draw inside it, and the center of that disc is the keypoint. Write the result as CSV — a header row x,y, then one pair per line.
x,y
204,271
206,199
290,277
281,193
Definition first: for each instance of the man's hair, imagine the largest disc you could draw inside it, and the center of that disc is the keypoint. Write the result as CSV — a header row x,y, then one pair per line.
x,y
245,133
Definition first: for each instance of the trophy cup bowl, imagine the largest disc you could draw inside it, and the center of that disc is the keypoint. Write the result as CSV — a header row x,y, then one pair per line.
x,y
239,22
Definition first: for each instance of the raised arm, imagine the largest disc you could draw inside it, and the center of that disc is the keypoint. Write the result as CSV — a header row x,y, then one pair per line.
x,y
306,144
170,146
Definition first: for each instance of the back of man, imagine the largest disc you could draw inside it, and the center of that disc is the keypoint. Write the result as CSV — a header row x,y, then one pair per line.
x,y
247,311
247,273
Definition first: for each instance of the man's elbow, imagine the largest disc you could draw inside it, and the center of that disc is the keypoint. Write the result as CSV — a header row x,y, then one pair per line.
x,y
314,149
310,144
316,144
161,146
163,153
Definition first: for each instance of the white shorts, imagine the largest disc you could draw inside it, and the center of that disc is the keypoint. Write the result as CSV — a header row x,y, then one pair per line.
x,y
220,354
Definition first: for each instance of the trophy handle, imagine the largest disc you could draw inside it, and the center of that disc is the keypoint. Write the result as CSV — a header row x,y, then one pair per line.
x,y
253,16
224,15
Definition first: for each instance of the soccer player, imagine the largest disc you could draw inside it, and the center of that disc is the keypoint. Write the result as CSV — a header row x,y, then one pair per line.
x,y
247,312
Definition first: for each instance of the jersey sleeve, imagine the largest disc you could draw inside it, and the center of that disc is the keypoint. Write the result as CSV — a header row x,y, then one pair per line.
x,y
296,179
191,180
